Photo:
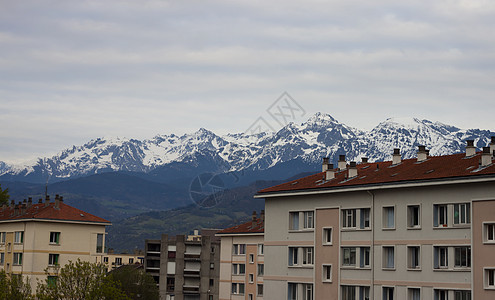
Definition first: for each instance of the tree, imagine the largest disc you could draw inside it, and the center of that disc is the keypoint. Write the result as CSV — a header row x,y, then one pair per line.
x,y
136,283
4,195
80,280
12,287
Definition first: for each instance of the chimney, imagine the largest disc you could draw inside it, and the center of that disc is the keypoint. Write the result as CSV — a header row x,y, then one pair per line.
x,y
253,220
396,158
486,157
4,206
23,208
47,200
40,201
470,148
352,170
57,202
422,153
16,210
330,172
492,146
12,203
324,165
30,202
364,160
61,199
342,164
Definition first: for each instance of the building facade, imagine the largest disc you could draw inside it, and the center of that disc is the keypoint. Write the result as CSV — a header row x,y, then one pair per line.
x,y
242,260
420,228
113,261
35,237
185,268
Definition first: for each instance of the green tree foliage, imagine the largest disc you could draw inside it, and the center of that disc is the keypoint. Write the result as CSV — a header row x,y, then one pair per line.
x,y
4,195
136,283
14,288
80,280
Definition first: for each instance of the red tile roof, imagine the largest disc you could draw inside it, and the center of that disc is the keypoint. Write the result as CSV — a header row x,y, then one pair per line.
x,y
246,228
446,167
39,211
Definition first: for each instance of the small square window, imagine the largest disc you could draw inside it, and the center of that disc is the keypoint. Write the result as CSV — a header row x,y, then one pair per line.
x,y
17,259
105,259
53,259
55,238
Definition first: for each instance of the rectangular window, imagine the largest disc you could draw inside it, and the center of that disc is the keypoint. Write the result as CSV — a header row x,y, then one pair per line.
x,y
292,291
99,243
131,261
348,292
388,293
261,269
414,294
53,259
309,220
261,249
440,215
413,216
462,257
19,237
349,256
293,252
2,237
348,218
327,273
440,257
212,266
327,236
364,221
364,293
238,269
294,220
308,256
441,295
462,295
462,214
239,249
118,261
388,217
260,290
17,259
105,259
413,257
490,278
489,232
2,258
251,278
238,288
308,291
364,257
212,282
388,257
55,238
251,258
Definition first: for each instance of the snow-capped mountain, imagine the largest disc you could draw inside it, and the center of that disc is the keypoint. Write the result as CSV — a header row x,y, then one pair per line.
x,y
321,135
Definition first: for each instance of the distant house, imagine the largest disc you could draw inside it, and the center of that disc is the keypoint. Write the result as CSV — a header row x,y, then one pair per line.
x,y
115,260
46,235
242,263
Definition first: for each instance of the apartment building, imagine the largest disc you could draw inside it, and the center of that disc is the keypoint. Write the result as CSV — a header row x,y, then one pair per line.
x,y
113,261
421,228
242,260
35,237
185,267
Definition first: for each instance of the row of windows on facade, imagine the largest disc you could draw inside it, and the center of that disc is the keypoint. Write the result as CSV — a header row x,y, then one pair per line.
x,y
239,289
54,239
240,249
352,217
17,259
461,257
240,269
118,260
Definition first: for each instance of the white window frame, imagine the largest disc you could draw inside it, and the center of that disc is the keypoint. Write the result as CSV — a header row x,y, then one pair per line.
x,y
236,288
462,292
258,289
441,211
261,249
489,232
18,237
309,220
386,296
489,278
294,220
293,260
386,217
251,277
443,260
387,251
413,213
237,269
462,208
349,218
308,256
239,249
308,291
327,237
350,292
365,257
2,237
411,290
260,267
17,259
440,294
55,237
251,258
351,251
53,259
411,257
466,254
365,218
326,275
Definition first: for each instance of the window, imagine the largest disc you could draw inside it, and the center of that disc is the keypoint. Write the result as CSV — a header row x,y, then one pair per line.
x,y
238,288
364,221
251,278
349,256
118,261
364,257
388,258
441,295
308,256
388,293
251,258
260,290
99,243
388,217
261,249
440,215
364,293
293,256
413,257
19,237
462,295
261,269
327,236
212,266
53,259
413,216
489,278
55,238
309,220
2,237
212,282
414,294
294,220
131,261
327,273
2,258
238,269
440,257
489,232
348,292
308,291
462,214
348,218
17,259
292,291
462,257
105,259
239,249
250,297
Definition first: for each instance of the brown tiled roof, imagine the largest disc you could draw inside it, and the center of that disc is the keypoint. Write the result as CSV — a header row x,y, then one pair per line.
x,y
246,228
446,167
39,211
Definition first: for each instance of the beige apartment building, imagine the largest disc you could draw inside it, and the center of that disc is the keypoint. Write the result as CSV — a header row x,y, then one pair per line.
x,y
421,228
113,261
242,260
46,235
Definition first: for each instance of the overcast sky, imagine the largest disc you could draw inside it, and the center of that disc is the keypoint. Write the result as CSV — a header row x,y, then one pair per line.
x,y
71,71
